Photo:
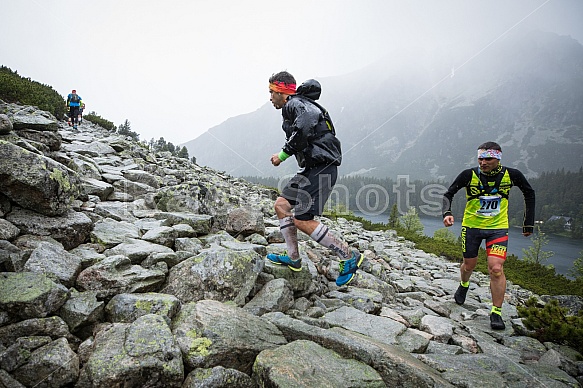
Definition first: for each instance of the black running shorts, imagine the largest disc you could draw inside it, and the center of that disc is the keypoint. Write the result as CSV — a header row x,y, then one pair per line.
x,y
496,242
309,190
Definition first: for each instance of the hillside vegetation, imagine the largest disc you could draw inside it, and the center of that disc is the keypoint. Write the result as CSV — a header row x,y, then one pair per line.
x,y
17,89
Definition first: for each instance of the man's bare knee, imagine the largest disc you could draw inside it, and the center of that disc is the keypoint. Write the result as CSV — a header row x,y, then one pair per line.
x,y
469,265
497,271
282,206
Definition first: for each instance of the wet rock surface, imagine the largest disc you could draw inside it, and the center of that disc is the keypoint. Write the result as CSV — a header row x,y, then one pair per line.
x,y
124,267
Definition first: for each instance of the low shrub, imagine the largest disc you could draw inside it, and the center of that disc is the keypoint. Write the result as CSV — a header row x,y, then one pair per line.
x,y
95,119
552,324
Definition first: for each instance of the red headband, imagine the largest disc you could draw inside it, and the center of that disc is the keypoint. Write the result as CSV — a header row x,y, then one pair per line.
x,y
282,87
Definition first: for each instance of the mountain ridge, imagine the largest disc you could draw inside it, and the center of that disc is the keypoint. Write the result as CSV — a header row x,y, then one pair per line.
x,y
406,117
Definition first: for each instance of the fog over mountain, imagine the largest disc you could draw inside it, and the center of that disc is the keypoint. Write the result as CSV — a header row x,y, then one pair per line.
x,y
423,114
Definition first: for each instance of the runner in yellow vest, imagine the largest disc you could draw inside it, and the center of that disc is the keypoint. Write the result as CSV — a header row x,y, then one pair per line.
x,y
486,218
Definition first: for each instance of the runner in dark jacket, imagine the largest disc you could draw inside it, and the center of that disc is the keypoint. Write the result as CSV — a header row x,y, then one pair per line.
x,y
311,138
310,133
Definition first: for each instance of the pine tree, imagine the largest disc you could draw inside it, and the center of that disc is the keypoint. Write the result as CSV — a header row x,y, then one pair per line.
x,y
535,253
182,153
126,130
577,270
394,217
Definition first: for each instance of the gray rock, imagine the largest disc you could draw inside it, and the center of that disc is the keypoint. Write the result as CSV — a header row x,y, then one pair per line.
x,y
109,232
217,377
36,121
218,274
382,329
306,364
170,259
244,246
244,221
7,230
53,327
276,295
184,231
129,307
490,370
5,124
39,371
30,295
441,328
135,189
18,353
211,333
71,228
119,211
55,262
163,235
116,275
369,301
92,149
142,177
82,309
192,245
201,223
137,250
120,349
51,140
414,341
96,187
11,257
36,182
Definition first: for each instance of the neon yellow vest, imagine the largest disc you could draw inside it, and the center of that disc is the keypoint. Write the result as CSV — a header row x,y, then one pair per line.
x,y
487,211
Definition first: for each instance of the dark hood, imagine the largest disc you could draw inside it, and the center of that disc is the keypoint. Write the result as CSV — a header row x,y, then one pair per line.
x,y
310,88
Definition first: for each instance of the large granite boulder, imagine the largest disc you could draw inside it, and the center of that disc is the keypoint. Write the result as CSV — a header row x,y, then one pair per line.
x,y
116,275
218,274
139,354
70,228
30,295
36,182
211,333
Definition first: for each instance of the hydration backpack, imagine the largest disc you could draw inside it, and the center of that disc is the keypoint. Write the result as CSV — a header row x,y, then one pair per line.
x,y
74,97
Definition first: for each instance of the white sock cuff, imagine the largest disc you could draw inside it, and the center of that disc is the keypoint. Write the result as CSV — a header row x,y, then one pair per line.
x,y
286,222
319,233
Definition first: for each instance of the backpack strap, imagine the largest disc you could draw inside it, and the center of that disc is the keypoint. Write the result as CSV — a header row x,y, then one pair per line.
x,y
485,188
325,113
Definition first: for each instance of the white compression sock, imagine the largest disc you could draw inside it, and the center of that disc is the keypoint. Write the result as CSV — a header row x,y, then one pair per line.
x,y
323,237
290,235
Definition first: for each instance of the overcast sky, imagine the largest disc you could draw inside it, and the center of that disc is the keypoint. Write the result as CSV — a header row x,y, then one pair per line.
x,y
176,69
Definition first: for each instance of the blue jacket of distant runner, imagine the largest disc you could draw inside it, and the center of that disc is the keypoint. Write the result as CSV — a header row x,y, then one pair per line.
x,y
73,99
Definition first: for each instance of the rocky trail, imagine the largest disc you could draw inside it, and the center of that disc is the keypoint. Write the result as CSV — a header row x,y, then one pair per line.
x,y
120,267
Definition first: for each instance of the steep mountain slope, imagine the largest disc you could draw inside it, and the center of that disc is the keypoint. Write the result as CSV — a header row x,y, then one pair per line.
x,y
417,114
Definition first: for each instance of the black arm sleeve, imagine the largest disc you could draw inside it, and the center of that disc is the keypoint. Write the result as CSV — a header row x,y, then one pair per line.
x,y
462,180
519,180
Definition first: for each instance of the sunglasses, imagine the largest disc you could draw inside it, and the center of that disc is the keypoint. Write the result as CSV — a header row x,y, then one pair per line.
x,y
486,159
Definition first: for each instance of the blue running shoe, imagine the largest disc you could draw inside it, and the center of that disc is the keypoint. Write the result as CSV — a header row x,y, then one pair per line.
x,y
294,265
348,268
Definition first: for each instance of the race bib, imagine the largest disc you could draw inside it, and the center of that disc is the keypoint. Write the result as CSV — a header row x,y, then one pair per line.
x,y
489,205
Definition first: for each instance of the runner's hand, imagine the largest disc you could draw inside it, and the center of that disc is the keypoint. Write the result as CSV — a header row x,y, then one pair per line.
x,y
275,160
